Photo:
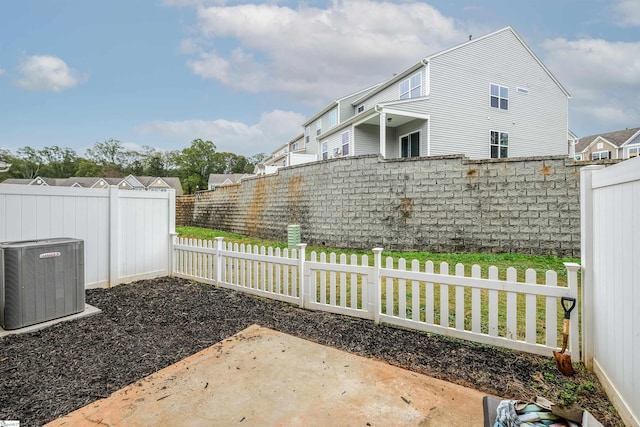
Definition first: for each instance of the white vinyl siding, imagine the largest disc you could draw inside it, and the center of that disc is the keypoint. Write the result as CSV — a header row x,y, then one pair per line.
x,y
367,140
458,101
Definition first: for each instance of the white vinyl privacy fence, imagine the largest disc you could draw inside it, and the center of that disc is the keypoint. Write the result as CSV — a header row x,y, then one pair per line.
x,y
127,234
610,200
500,311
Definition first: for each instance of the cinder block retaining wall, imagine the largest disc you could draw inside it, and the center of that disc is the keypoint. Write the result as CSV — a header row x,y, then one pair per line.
x,y
437,204
184,210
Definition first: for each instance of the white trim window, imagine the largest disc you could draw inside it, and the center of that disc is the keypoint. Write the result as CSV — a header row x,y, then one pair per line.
x,y
307,131
499,97
578,156
346,137
318,127
600,155
633,152
333,118
360,109
499,145
411,87
410,145
296,146
325,150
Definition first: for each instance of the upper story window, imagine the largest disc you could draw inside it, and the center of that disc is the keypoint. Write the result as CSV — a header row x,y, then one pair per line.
x,y
411,87
499,145
296,146
600,155
307,131
499,97
333,118
360,109
325,150
345,143
578,157
318,127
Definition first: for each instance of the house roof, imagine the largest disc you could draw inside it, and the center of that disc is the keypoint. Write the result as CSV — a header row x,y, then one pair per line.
x,y
428,58
222,178
89,182
335,103
616,138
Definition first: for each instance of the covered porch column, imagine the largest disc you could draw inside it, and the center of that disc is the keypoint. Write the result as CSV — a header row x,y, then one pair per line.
x,y
383,135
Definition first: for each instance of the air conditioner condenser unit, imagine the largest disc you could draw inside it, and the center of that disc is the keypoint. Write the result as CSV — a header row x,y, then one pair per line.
x,y
40,280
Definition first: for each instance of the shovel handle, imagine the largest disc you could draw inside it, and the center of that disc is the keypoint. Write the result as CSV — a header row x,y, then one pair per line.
x,y
567,310
565,334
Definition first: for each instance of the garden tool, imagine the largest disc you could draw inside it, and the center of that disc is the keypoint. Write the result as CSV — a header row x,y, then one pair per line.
x,y
563,361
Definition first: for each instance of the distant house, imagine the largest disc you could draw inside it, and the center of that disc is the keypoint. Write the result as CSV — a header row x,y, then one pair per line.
x,y
295,152
621,144
130,182
4,167
488,97
220,179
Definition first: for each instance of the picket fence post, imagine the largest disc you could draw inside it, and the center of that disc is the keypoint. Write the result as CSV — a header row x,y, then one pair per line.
x,y
217,259
375,303
304,287
572,282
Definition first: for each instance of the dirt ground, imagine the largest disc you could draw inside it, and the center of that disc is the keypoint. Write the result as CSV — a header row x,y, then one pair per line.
x,y
148,325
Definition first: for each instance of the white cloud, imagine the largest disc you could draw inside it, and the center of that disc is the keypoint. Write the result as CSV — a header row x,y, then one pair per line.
x,y
603,78
272,130
316,54
47,73
628,13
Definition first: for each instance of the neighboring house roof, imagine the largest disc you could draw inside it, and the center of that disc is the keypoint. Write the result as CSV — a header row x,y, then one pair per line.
x,y
20,181
617,138
140,182
4,166
218,179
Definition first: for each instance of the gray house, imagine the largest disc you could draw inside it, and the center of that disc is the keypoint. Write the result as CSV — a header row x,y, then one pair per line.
x,y
489,97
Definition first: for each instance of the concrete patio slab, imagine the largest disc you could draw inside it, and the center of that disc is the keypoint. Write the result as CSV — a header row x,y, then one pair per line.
x,y
89,310
260,377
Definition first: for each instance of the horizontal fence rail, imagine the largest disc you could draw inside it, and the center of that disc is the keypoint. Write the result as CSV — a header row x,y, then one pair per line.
x,y
523,316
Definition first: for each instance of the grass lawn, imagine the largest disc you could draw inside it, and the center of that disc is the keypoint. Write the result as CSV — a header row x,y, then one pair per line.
x,y
502,261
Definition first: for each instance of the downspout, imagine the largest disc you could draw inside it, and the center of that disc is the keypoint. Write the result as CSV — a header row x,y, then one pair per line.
x,y
383,131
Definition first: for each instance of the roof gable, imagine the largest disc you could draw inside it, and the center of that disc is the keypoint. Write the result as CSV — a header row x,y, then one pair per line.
x,y
617,138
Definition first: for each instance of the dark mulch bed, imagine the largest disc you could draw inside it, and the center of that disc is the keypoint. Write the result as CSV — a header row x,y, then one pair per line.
x,y
148,325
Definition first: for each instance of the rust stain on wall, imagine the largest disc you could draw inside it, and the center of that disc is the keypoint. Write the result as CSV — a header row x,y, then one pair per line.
x,y
546,170
295,201
257,206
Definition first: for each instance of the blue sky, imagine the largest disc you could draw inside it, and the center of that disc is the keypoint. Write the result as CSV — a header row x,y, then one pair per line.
x,y
246,75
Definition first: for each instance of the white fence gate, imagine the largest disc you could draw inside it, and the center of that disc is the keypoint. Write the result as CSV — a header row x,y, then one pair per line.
x,y
517,315
610,251
127,234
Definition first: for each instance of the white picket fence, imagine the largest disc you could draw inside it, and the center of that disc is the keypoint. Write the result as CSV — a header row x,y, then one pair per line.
x,y
470,307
